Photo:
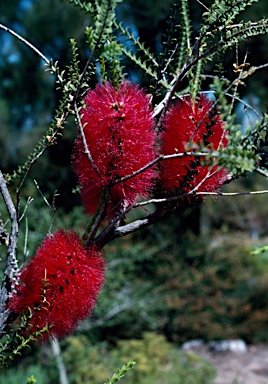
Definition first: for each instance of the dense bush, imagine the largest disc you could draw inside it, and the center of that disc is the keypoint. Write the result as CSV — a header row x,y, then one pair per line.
x,y
157,362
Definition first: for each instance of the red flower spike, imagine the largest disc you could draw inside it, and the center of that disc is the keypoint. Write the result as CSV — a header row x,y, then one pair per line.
x,y
118,127
196,122
60,284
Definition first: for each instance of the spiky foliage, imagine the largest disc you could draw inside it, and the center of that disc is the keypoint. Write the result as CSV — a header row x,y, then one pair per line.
x,y
174,48
88,7
102,42
121,372
138,53
224,12
68,82
13,343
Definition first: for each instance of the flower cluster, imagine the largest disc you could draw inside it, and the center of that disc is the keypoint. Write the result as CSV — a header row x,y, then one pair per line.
x,y
118,129
189,124
59,285
118,132
112,155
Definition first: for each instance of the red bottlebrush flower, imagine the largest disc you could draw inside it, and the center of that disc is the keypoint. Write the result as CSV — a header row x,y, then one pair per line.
x,y
60,284
197,122
118,127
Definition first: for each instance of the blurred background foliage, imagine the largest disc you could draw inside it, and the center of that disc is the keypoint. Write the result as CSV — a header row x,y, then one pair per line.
x,y
189,276
158,361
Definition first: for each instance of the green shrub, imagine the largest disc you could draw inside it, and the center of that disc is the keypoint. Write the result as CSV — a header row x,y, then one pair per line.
x,y
158,361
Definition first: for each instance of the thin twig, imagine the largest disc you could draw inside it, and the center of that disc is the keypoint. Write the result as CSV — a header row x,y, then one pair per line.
x,y
245,104
236,98
167,157
25,252
203,5
54,208
124,230
82,134
11,261
39,53
29,201
197,193
187,66
43,196
261,172
260,67
162,103
100,217
262,192
208,176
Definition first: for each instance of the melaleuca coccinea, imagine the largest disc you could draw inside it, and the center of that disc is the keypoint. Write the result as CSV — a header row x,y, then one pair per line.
x,y
191,122
59,285
118,128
